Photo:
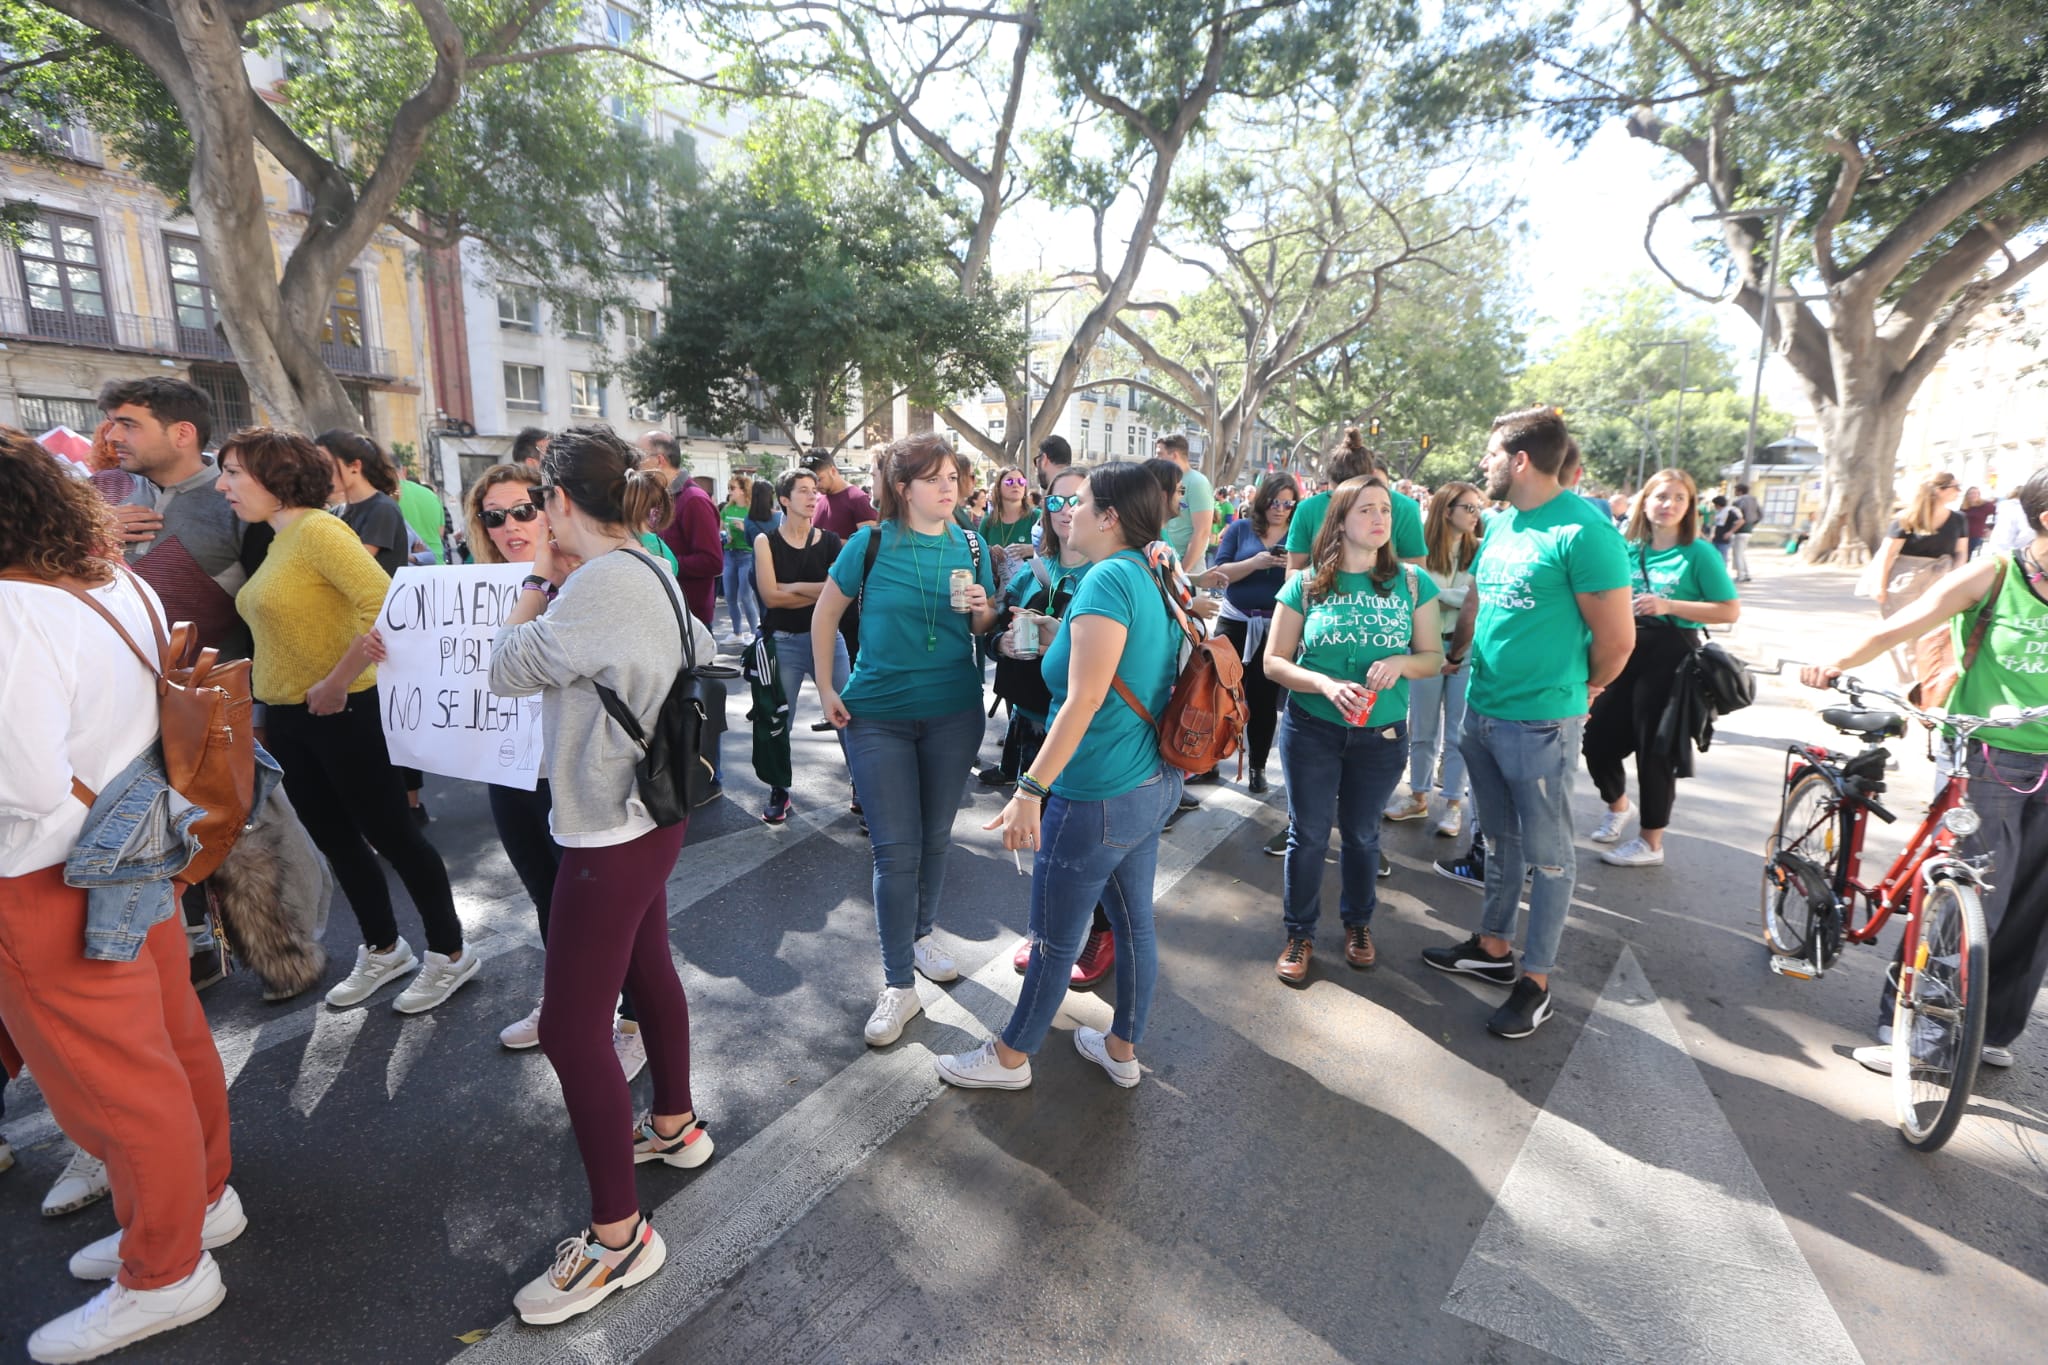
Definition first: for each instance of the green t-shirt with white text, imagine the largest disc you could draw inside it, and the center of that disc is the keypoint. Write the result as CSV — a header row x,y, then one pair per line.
x,y
1353,628
1692,572
1529,647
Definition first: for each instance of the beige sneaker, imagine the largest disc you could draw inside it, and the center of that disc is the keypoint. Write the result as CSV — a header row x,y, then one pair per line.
x,y
1451,823
1414,806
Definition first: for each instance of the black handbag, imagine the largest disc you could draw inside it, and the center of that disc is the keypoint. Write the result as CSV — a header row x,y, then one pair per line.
x,y
673,775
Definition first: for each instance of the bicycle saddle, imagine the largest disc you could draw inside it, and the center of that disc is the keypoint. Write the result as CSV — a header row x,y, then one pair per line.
x,y
1871,725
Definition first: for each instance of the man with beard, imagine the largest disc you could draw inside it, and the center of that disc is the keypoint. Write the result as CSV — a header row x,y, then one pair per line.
x,y
1549,623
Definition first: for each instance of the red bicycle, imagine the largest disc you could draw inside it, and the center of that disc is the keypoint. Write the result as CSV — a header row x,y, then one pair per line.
x,y
1815,900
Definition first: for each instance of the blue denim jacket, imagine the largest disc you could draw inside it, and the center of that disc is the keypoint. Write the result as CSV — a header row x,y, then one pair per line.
x,y
137,836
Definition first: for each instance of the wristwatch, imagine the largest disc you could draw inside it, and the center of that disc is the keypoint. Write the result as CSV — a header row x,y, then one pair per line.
x,y
533,582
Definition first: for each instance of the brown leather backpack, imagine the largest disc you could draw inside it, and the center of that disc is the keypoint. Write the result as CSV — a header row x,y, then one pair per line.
x,y
1205,713
203,709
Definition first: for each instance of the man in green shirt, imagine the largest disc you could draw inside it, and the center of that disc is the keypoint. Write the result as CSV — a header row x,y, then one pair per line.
x,y
1549,622
1353,460
422,509
1192,529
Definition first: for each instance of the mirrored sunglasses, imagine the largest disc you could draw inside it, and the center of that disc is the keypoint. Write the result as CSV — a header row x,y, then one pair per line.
x,y
1060,502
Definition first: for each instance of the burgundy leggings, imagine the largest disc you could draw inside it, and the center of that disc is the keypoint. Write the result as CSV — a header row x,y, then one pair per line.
x,y
608,927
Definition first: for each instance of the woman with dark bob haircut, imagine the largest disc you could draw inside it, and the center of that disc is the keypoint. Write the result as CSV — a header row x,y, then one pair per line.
x,y
311,608
115,1034
1093,803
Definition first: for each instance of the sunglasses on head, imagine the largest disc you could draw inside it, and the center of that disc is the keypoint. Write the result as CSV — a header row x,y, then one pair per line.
x,y
494,517
1060,502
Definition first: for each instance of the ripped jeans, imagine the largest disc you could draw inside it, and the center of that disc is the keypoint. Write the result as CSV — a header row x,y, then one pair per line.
x,y
1521,773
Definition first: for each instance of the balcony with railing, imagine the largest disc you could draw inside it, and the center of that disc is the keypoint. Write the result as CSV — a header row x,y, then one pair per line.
x,y
133,332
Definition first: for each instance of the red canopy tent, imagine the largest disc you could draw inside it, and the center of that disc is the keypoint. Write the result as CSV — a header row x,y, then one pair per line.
x,y
62,440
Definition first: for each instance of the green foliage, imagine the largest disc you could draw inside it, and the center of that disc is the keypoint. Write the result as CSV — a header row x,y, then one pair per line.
x,y
1619,388
782,305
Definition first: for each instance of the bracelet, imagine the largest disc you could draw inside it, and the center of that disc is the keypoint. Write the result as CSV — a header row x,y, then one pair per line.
x,y
533,582
1031,786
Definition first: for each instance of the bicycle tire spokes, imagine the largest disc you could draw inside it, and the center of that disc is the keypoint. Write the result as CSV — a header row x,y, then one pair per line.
x,y
1938,1025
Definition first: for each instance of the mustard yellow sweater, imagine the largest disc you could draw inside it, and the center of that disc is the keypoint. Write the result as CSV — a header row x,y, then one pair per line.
x,y
317,591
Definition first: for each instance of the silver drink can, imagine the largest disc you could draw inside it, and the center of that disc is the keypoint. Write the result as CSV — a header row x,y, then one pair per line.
x,y
963,579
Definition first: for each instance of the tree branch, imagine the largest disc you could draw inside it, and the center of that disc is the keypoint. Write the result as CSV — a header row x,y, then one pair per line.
x,y
1967,305
1837,206
489,60
1872,275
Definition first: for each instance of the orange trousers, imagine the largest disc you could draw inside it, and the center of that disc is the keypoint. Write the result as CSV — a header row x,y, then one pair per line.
x,y
122,1053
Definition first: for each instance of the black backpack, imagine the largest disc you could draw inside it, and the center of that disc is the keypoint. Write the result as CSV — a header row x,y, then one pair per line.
x,y
673,774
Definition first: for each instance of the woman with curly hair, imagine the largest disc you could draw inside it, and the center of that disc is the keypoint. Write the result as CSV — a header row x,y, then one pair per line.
x,y
81,708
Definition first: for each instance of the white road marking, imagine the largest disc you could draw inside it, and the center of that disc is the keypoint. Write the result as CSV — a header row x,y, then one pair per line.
x,y
754,1193
334,1033
1632,1226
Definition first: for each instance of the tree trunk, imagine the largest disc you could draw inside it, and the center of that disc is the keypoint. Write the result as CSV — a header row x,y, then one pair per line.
x,y
1862,451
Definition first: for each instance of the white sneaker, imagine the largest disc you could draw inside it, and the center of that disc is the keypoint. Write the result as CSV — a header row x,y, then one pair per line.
x,y
586,1272
1089,1042
895,1007
981,1069
1413,806
932,961
525,1033
1451,823
118,1316
83,1182
439,978
2000,1057
225,1221
372,972
1612,824
1634,853
631,1050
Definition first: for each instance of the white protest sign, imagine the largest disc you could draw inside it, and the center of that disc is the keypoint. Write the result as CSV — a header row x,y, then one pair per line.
x,y
440,714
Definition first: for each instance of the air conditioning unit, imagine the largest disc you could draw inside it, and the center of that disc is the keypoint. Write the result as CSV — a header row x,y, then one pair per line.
x,y
642,412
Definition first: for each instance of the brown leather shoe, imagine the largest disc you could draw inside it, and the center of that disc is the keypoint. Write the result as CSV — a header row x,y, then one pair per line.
x,y
1293,964
1358,949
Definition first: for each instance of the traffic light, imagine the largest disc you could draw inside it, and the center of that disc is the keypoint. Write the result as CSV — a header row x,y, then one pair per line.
x,y
1372,428
1425,445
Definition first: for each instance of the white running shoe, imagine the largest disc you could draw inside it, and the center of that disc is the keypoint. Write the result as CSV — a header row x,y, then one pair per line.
x,y
373,971
1612,823
118,1316
1451,823
225,1221
439,978
687,1150
981,1069
2000,1057
1413,806
895,1007
525,1033
586,1272
1092,1044
932,961
83,1182
1634,853
631,1050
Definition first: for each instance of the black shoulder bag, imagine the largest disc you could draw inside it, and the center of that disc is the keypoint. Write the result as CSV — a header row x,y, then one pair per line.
x,y
673,774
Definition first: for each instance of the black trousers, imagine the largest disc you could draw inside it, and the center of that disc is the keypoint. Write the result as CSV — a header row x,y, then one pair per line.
x,y
1261,694
1624,721
521,819
339,775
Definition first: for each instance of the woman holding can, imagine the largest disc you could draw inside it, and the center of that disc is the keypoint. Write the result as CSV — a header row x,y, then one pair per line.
x,y
1348,633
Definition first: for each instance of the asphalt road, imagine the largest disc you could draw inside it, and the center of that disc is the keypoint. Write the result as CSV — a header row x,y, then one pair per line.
x,y
1682,1164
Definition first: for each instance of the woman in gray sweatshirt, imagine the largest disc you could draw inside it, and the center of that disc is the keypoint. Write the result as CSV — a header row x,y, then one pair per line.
x,y
596,610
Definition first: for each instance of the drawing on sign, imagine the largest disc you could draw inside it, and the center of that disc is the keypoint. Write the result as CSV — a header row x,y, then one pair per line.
x,y
440,714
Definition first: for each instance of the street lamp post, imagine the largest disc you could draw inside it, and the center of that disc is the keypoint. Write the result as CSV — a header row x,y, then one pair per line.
x,y
1767,316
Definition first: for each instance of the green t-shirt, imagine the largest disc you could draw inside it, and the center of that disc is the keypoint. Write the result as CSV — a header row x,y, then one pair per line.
x,y
1352,629
2011,668
1119,750
916,653
1529,647
1409,542
655,546
1016,532
1692,572
421,507
734,519
1198,499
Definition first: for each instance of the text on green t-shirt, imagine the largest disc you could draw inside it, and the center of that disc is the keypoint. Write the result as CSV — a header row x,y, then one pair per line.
x,y
1352,628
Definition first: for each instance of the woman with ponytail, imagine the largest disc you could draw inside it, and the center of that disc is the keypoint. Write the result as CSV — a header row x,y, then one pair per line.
x,y
597,610
1351,460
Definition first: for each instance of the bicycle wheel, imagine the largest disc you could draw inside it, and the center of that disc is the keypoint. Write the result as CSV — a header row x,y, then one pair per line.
x,y
1938,1025
1808,828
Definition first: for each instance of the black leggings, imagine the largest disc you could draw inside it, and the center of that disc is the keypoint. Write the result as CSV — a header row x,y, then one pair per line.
x,y
521,819
339,775
1624,721
1261,693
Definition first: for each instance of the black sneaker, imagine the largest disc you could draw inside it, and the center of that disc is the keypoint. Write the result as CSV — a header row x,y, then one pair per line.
x,y
1386,868
1194,778
1276,847
1469,869
1528,1005
994,776
777,810
1471,959
1258,786
821,725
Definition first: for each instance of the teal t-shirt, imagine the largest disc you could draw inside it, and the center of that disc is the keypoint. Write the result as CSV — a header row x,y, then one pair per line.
x,y
1692,572
1529,646
1409,542
1120,750
1198,499
916,653
654,545
1016,532
1353,628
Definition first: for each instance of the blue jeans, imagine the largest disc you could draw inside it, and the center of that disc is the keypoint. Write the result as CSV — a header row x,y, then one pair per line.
x,y
1092,852
1343,772
793,658
1436,718
1522,775
737,578
910,775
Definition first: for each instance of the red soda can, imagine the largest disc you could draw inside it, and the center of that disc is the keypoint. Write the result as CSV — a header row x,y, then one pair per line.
x,y
1364,710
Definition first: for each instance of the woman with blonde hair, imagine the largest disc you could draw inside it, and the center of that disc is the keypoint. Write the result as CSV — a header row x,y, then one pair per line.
x,y
1926,541
1436,705
1681,586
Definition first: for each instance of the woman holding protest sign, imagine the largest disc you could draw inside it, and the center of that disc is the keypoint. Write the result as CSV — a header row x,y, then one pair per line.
x,y
310,609
597,616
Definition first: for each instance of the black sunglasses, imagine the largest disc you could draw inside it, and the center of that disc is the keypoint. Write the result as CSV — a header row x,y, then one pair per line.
x,y
494,517
538,498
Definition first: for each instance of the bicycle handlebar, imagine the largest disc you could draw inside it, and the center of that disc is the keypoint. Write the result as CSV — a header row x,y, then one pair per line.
x,y
2006,718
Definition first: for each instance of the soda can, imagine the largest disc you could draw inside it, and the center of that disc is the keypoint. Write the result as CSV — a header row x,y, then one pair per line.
x,y
1358,717
1024,636
963,579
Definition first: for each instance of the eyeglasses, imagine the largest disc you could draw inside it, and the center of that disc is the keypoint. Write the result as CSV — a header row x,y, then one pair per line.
x,y
1012,481
494,517
538,498
1060,502
1474,507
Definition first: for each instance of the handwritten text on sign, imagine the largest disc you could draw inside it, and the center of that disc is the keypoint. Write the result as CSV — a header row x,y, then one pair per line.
x,y
440,714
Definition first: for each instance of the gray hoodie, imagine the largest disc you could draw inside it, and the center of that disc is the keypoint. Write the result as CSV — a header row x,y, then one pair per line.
x,y
612,624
